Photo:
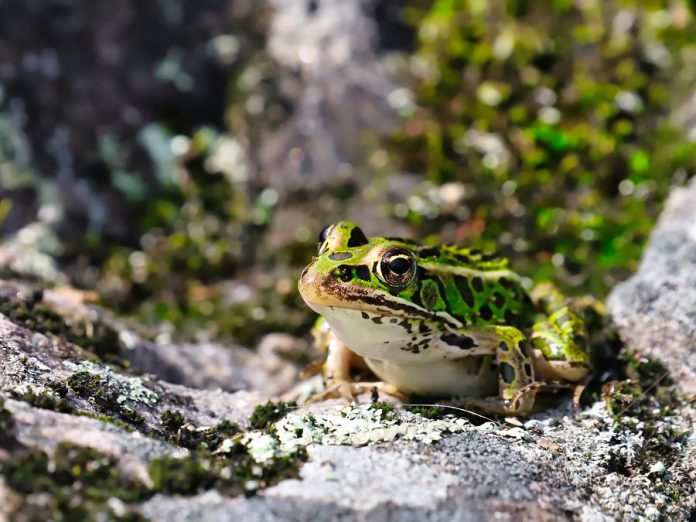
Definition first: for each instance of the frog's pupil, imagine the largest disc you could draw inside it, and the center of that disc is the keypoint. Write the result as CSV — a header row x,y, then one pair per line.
x,y
400,265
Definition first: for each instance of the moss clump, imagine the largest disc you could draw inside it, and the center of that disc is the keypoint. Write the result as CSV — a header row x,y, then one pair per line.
x,y
184,476
6,425
386,408
232,474
76,482
266,414
429,412
644,370
37,317
621,396
172,420
644,405
189,436
214,435
45,400
108,419
93,388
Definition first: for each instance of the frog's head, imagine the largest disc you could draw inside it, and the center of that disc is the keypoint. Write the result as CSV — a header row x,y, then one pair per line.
x,y
354,272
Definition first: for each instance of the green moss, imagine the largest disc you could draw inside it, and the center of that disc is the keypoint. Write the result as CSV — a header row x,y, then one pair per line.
x,y
644,406
644,370
194,438
429,412
554,134
214,435
386,408
232,474
92,387
620,397
77,483
45,400
172,420
183,476
266,414
108,419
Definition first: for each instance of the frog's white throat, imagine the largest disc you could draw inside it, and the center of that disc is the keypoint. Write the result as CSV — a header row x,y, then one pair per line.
x,y
375,335
399,353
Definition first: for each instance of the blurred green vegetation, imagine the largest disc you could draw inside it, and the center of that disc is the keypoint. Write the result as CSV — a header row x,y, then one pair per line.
x,y
545,126
198,239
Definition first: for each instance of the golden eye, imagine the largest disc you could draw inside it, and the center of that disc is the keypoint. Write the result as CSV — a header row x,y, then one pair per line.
x,y
397,268
321,243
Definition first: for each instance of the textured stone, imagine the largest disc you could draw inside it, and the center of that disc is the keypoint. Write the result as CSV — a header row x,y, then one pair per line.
x,y
655,310
36,362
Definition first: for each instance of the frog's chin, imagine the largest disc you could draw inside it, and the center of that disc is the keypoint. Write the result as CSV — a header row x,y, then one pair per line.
x,y
332,307
370,333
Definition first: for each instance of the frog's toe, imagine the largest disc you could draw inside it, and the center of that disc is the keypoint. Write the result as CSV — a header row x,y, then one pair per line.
x,y
349,391
519,405
335,390
383,387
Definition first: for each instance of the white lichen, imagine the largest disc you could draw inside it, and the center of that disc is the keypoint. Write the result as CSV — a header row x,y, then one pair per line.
x,y
356,425
130,388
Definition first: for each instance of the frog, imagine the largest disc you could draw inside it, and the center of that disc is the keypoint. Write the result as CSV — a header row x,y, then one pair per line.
x,y
438,321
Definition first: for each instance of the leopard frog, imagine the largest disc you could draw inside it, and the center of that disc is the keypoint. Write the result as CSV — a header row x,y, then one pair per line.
x,y
440,321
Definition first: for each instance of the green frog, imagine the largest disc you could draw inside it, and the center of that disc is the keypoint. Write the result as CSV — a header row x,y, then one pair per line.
x,y
441,321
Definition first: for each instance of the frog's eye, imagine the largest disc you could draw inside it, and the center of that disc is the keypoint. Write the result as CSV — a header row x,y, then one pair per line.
x,y
324,234
397,268
321,245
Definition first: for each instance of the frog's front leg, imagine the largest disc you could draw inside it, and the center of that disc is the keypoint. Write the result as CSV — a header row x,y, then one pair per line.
x,y
517,388
340,360
559,338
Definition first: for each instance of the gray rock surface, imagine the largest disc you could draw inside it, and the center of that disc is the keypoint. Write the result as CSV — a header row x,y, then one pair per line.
x,y
45,430
558,468
31,361
329,62
655,310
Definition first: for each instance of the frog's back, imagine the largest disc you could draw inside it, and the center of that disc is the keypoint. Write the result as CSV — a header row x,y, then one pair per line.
x,y
475,287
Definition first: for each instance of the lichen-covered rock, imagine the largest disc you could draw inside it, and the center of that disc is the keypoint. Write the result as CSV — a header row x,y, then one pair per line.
x,y
655,310
364,462
559,465
32,364
46,430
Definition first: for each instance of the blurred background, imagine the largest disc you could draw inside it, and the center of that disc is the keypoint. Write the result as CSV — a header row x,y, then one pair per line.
x,y
179,157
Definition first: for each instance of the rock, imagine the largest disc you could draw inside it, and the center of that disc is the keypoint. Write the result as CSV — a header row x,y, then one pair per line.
x,y
33,363
60,385
212,365
98,89
655,310
45,430
477,474
329,60
271,369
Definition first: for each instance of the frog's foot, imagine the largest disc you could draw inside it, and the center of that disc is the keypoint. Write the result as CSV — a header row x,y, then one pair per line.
x,y
349,391
518,405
